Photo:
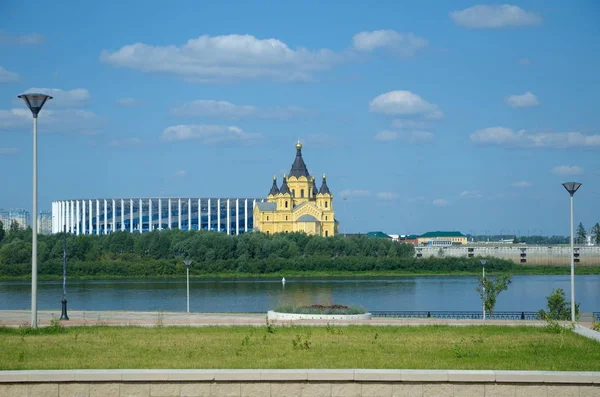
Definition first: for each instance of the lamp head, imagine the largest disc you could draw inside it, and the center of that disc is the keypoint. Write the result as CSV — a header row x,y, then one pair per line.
x,y
571,187
187,262
35,102
483,262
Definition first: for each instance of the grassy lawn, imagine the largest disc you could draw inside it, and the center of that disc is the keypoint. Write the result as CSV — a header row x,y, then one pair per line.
x,y
427,347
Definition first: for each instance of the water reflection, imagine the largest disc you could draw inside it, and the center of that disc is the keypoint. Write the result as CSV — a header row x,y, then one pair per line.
x,y
526,293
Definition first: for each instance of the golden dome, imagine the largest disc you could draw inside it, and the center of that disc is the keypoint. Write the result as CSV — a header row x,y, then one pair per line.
x,y
298,145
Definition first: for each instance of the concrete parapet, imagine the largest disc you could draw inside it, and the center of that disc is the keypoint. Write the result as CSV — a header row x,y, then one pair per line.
x,y
300,382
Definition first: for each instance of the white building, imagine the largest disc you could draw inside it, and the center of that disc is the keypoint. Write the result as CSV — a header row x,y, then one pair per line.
x,y
44,224
102,216
20,215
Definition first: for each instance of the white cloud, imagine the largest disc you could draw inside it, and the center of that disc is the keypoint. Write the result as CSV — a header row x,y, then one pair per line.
x,y
494,16
473,194
440,203
20,39
125,142
567,170
224,109
403,44
8,77
409,124
180,174
387,196
522,184
127,102
410,137
224,58
78,121
525,61
507,137
64,98
8,151
207,133
522,101
354,193
404,103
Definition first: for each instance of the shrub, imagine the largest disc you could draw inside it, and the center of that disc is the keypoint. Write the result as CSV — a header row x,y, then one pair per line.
x,y
320,309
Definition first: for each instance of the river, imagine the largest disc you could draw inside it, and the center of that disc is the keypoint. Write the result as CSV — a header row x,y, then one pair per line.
x,y
526,293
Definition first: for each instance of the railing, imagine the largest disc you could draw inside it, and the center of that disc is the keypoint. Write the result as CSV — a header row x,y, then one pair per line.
x,y
468,315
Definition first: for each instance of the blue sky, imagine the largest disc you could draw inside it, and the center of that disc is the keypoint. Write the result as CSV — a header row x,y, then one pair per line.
x,y
439,115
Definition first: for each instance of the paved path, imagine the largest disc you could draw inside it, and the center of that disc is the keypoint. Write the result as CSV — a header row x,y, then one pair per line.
x,y
121,318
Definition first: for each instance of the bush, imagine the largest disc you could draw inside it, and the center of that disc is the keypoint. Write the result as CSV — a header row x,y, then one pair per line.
x,y
320,309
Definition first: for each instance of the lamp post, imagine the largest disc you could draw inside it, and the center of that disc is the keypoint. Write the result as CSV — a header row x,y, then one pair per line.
x,y
572,187
34,102
187,264
483,262
64,315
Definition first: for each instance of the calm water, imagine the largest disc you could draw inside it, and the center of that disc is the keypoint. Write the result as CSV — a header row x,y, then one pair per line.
x,y
526,293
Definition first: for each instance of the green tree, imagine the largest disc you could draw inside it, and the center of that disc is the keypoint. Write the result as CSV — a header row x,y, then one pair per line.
x,y
558,307
2,232
595,234
14,226
490,287
581,234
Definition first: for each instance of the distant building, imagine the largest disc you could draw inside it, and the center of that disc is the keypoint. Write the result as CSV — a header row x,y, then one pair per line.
x,y
297,206
409,239
44,224
19,215
442,238
379,235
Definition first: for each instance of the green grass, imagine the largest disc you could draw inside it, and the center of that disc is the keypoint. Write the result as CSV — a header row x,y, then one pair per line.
x,y
320,309
425,347
528,270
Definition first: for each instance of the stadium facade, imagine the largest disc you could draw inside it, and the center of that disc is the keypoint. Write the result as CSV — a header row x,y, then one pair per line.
x,y
138,215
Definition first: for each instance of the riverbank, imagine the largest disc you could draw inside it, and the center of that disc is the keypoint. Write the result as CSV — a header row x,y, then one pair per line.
x,y
331,346
517,270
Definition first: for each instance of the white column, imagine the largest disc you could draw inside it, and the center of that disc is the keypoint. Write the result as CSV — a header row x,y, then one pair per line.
x,y
179,214
97,217
65,217
208,209
228,218
72,208
246,215
140,213
218,215
105,218
114,217
159,214
77,217
237,217
130,215
199,214
122,215
83,218
189,214
150,214
169,213
57,223
90,216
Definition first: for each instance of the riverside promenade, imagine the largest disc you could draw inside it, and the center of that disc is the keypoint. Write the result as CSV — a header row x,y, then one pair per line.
x,y
15,318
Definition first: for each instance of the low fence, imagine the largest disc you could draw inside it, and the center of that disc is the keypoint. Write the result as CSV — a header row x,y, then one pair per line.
x,y
468,315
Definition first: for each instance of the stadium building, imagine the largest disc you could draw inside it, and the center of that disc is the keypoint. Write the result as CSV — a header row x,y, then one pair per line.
x,y
102,216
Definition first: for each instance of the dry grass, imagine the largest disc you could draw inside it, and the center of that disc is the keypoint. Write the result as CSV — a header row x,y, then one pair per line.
x,y
430,347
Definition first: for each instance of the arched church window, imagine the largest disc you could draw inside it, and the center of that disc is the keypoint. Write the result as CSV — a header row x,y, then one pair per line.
x,y
293,192
286,218
326,217
267,217
326,233
302,193
286,205
325,204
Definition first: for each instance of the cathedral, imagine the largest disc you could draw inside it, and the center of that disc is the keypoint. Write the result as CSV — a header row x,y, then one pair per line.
x,y
297,206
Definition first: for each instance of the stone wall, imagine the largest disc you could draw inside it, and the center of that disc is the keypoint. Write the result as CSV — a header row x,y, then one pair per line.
x,y
300,383
534,255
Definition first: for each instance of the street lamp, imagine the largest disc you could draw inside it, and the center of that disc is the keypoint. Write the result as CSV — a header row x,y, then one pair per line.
x,y
34,102
187,264
572,187
483,262
64,315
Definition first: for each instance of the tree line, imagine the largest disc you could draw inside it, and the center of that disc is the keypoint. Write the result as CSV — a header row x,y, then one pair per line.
x,y
160,253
